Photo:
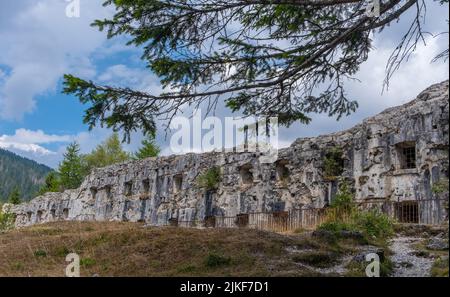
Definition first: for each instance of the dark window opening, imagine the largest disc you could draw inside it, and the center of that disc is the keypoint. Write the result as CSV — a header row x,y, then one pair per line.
x,y
146,186
29,214
282,170
39,216
109,202
410,157
126,208
246,174
108,192
93,193
278,206
66,213
177,183
142,211
407,212
407,155
128,188
53,213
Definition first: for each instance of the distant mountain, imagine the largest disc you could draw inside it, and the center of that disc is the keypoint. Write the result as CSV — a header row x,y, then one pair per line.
x,y
17,171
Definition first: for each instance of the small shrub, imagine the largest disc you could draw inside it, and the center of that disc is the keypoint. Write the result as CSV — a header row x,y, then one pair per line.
x,y
333,164
17,266
215,260
343,215
440,267
40,254
87,262
336,227
6,221
210,179
440,186
374,224
342,207
62,251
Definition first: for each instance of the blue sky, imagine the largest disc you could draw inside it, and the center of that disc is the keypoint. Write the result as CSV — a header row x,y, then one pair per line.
x,y
39,43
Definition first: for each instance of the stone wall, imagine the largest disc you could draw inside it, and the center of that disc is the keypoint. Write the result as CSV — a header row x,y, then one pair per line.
x,y
373,155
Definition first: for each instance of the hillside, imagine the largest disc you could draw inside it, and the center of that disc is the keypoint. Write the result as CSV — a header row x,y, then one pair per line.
x,y
17,171
129,249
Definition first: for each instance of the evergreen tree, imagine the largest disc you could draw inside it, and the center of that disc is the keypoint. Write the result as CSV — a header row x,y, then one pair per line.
x,y
52,184
281,58
25,174
71,169
149,148
108,153
14,196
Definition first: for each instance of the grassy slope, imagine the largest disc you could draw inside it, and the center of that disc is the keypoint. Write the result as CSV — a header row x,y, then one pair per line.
x,y
127,249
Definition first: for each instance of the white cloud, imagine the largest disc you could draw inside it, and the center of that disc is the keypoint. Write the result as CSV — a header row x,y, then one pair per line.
x,y
27,148
413,77
40,43
29,143
135,78
24,136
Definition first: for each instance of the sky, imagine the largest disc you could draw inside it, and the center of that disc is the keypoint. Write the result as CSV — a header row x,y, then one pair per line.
x,y
39,43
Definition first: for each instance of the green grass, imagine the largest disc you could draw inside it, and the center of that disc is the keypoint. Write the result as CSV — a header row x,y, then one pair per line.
x,y
440,267
40,253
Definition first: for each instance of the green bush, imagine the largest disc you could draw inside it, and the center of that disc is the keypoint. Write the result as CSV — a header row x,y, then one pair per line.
x,y
440,186
373,223
343,215
40,254
342,205
6,220
333,164
87,262
210,179
337,227
215,260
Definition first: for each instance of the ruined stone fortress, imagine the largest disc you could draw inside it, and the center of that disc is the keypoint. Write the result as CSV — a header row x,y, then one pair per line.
x,y
392,160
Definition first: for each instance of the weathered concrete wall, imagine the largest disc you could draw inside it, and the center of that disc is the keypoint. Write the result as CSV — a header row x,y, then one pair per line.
x,y
372,157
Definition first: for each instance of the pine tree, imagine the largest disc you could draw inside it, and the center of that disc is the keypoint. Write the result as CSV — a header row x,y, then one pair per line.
x,y
149,148
14,196
284,58
71,169
52,184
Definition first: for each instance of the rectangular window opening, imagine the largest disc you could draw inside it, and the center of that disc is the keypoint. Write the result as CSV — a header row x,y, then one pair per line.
x,y
246,174
177,183
406,152
128,188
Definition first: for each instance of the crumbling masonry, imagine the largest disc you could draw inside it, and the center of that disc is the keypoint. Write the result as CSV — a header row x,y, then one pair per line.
x,y
393,158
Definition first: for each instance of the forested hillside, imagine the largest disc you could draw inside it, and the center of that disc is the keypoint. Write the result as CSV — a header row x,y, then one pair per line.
x,y
25,174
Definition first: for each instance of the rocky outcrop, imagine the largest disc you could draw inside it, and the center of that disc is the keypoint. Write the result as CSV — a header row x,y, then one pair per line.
x,y
394,156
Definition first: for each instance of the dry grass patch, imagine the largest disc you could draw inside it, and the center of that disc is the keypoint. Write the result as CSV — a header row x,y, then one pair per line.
x,y
128,249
